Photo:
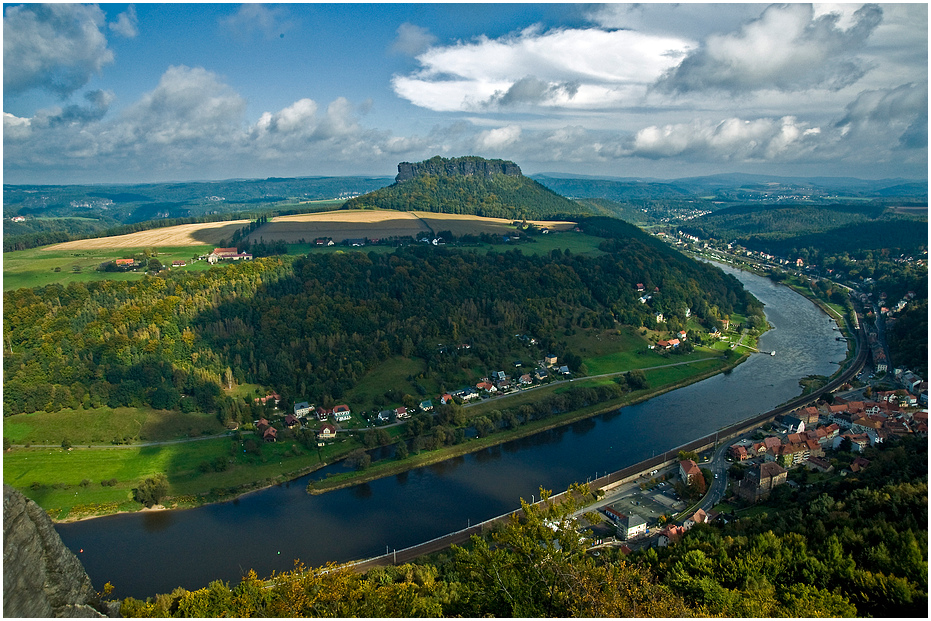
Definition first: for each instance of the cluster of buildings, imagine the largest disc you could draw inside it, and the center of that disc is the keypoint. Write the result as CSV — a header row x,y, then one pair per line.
x,y
499,383
807,433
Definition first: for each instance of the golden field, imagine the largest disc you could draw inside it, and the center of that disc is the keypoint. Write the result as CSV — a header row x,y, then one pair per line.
x,y
180,235
338,225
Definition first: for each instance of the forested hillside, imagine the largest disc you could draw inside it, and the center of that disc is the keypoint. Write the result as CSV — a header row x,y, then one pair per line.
x,y
312,327
448,190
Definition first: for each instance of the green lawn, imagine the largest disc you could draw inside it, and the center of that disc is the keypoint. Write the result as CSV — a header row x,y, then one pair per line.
x,y
36,267
102,425
52,477
391,374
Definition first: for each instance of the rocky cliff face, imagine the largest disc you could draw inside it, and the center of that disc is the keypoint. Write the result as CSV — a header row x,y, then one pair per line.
x,y
41,577
465,166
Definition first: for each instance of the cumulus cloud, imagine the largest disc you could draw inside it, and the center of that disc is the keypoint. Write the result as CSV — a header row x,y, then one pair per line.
x,y
732,139
56,47
192,122
188,105
903,109
575,68
270,22
787,48
412,40
126,24
499,138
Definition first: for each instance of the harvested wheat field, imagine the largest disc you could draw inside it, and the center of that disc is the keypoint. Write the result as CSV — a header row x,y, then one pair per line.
x,y
379,224
463,224
180,235
340,225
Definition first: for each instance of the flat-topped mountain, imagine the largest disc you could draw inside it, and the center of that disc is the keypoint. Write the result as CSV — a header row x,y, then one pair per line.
x,y
469,185
457,166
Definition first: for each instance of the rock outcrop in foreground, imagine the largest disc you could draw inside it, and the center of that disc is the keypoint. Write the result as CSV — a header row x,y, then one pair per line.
x,y
457,166
41,577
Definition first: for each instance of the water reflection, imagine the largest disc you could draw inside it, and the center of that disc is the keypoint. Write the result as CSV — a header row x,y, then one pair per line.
x,y
583,427
155,521
363,490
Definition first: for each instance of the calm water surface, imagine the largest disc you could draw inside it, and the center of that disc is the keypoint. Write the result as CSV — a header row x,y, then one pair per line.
x,y
145,554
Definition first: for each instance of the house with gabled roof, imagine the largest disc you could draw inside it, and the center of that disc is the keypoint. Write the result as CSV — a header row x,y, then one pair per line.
x,y
326,432
688,470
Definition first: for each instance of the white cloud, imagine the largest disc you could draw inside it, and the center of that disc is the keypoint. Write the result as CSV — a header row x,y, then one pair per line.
x,y
732,139
56,47
412,40
498,139
126,24
270,22
787,48
576,68
15,128
188,105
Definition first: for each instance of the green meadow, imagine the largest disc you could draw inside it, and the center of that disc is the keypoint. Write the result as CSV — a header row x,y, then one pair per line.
x,y
104,425
38,267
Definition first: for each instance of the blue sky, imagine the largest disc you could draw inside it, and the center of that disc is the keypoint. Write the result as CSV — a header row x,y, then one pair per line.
x,y
156,92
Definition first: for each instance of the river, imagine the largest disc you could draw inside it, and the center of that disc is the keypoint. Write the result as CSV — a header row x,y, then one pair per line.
x,y
142,554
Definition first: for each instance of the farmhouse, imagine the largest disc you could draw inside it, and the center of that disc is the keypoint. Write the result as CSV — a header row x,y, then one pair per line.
x,y
227,254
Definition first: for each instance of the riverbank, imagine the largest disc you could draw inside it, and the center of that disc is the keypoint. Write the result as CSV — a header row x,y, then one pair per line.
x,y
381,470
55,499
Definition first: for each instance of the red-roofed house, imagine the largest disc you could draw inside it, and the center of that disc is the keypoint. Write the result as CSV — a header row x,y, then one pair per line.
x,y
688,470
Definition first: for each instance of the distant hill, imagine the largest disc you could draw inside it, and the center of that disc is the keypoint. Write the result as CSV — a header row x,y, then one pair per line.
x,y
733,187
469,185
782,229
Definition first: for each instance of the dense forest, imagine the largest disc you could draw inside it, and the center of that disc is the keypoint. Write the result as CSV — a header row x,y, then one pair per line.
x,y
311,327
496,195
830,547
908,338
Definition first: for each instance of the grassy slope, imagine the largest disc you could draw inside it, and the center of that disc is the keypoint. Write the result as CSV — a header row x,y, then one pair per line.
x,y
101,425
36,267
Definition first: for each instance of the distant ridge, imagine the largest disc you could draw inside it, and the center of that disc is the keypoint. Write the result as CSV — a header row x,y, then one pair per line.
x,y
469,185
